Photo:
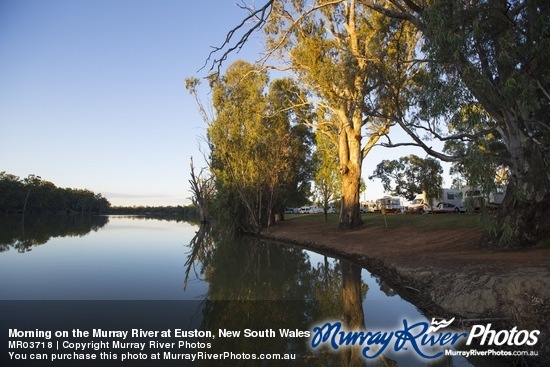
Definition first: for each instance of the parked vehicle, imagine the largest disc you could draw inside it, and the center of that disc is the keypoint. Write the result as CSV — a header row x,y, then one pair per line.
x,y
419,204
368,207
316,210
446,208
310,210
474,199
388,204
450,200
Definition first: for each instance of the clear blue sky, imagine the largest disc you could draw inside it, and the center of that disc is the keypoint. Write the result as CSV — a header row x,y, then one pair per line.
x,y
92,93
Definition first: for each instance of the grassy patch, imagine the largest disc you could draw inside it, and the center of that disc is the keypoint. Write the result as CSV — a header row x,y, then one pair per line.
x,y
426,222
420,222
332,218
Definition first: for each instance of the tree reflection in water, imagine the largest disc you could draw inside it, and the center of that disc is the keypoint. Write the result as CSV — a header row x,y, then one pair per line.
x,y
261,286
353,317
201,248
23,232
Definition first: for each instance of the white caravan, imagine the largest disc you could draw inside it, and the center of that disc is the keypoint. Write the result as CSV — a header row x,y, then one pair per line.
x,y
450,201
368,207
388,204
474,197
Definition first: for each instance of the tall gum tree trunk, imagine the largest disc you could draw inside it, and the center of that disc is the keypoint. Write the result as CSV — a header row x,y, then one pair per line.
x,y
525,212
350,214
350,167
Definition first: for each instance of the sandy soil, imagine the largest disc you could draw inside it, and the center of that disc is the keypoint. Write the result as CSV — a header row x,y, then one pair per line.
x,y
445,272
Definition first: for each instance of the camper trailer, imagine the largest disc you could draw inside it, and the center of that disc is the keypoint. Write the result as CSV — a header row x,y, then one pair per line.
x,y
368,207
449,201
474,199
388,204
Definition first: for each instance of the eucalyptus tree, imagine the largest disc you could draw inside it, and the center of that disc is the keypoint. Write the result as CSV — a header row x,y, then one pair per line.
x,y
258,150
327,175
482,167
289,167
345,55
494,53
236,137
499,50
410,175
34,194
12,193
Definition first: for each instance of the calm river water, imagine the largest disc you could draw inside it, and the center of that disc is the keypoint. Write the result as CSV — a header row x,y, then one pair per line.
x,y
120,258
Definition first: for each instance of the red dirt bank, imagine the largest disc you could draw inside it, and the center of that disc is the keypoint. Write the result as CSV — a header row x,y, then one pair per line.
x,y
446,269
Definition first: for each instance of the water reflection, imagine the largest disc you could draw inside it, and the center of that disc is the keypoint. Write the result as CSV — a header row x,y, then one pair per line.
x,y
240,282
22,233
201,248
252,284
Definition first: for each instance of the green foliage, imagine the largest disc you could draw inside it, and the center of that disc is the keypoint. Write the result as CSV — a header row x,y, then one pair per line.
x,y
352,61
328,180
410,175
502,43
502,231
260,147
481,165
484,88
479,80
35,195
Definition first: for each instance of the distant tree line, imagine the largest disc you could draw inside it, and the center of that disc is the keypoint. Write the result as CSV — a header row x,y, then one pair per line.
x,y
188,212
35,195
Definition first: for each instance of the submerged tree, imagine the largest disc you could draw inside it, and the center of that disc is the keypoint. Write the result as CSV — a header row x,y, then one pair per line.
x,y
202,188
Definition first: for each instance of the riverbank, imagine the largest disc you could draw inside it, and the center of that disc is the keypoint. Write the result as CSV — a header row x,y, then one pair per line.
x,y
436,261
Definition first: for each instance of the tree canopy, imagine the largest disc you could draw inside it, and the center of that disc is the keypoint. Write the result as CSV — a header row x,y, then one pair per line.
x,y
328,184
492,54
260,148
351,60
479,73
410,175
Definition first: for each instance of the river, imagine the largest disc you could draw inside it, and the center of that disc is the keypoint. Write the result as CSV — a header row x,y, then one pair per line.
x,y
228,283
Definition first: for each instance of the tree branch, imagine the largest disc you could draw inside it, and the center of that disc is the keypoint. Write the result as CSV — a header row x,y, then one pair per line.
x,y
419,143
260,16
461,136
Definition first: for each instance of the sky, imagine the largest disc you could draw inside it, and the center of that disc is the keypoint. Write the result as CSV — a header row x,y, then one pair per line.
x,y
92,94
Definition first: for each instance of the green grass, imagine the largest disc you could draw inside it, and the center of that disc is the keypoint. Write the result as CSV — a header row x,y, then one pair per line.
x,y
332,218
420,222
